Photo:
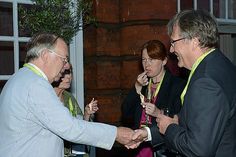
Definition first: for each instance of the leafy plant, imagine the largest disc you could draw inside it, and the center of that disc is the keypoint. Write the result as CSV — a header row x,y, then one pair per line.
x,y
62,17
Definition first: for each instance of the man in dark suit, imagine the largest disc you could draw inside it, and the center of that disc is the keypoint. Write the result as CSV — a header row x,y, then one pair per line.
x,y
206,125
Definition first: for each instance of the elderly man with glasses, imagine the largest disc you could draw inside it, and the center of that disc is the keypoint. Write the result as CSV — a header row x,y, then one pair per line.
x,y
33,121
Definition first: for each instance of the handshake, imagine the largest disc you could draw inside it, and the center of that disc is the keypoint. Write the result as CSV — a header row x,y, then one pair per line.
x,y
131,138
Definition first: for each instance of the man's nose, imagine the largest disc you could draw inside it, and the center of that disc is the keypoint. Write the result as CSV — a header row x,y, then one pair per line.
x,y
67,65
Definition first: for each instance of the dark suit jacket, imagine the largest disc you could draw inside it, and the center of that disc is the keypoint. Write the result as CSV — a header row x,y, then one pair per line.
x,y
207,120
168,96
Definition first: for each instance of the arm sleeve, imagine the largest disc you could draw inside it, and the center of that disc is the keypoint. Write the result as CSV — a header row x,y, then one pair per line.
x,y
157,137
52,115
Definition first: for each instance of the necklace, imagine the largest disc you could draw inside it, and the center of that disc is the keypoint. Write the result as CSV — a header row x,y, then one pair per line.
x,y
155,82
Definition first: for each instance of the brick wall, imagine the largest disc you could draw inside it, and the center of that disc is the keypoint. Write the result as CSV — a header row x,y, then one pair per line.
x,y
111,50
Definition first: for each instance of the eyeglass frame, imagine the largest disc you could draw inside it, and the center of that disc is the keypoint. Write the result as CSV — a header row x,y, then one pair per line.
x,y
147,60
65,59
172,42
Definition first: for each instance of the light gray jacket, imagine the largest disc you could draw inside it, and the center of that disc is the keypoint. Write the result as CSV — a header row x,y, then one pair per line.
x,y
33,122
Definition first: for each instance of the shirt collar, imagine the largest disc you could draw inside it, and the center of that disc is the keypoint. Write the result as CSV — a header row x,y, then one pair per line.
x,y
43,74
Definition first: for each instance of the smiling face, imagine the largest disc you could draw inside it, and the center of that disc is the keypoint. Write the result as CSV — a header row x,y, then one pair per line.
x,y
181,48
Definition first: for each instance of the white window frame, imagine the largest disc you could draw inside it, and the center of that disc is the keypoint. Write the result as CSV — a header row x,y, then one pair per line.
x,y
76,53
15,38
226,25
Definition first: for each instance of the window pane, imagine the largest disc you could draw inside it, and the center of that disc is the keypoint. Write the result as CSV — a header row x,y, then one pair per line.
x,y
6,58
23,32
203,4
22,54
6,19
216,8
186,4
219,8
232,7
2,83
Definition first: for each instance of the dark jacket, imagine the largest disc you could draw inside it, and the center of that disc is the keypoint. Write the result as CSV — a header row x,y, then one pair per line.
x,y
207,120
168,97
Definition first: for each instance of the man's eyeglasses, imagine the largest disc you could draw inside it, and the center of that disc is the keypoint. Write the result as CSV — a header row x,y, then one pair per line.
x,y
65,59
172,42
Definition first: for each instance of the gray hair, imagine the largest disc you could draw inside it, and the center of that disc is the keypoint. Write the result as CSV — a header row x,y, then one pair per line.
x,y
196,23
38,43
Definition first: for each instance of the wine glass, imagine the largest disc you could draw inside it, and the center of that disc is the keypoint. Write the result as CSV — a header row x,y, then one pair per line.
x,y
147,117
166,111
147,120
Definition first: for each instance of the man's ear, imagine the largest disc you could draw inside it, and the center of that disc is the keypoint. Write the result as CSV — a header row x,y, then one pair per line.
x,y
44,55
195,42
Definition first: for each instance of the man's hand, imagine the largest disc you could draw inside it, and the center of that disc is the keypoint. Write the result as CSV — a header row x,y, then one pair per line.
x,y
164,121
124,135
139,136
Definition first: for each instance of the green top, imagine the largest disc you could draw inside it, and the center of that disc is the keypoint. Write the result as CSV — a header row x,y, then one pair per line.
x,y
71,103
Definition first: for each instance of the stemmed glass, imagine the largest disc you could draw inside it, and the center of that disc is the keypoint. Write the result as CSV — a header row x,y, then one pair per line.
x,y
147,117
167,112
148,99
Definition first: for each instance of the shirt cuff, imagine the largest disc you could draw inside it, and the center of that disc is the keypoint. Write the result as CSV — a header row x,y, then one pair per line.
x,y
149,138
